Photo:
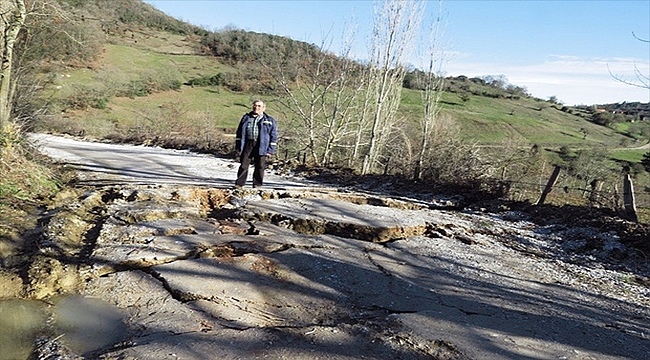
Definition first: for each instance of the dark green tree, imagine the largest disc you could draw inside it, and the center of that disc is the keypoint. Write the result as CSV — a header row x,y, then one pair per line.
x,y
645,161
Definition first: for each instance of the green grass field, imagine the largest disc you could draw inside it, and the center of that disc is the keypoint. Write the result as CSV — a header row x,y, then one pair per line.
x,y
151,54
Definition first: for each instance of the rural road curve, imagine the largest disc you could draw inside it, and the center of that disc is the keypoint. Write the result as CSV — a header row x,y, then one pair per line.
x,y
299,271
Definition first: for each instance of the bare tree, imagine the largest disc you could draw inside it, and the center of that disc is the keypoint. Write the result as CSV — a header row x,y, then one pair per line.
x,y
642,80
31,31
322,92
305,88
340,114
589,165
433,89
363,125
395,28
12,19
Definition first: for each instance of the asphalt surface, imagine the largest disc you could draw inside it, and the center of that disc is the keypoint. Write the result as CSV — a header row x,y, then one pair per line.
x,y
103,163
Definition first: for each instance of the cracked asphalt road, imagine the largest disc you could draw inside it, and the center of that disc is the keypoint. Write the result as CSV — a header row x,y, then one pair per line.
x,y
299,271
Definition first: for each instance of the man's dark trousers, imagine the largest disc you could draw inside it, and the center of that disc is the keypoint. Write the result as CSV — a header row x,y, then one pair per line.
x,y
251,151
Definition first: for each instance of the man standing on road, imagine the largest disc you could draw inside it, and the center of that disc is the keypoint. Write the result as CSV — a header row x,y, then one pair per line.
x,y
257,138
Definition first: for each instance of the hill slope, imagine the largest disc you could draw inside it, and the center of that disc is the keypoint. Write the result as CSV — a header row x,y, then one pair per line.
x,y
139,61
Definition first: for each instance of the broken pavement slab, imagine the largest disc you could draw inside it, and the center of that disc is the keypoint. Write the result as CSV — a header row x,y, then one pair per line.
x,y
316,216
253,274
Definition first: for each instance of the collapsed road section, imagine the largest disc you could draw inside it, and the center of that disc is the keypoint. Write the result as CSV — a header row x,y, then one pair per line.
x,y
206,273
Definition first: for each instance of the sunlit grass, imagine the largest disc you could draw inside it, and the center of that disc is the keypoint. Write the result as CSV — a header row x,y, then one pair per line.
x,y
631,155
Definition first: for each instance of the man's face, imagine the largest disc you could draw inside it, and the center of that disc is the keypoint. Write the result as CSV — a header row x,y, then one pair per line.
x,y
258,108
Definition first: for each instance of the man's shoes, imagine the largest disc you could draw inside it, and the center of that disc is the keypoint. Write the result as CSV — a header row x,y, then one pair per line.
x,y
239,187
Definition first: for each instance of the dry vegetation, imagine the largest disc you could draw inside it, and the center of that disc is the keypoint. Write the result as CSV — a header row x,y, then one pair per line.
x,y
27,180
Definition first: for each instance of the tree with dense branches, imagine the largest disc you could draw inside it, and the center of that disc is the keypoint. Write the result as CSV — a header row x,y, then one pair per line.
x,y
395,29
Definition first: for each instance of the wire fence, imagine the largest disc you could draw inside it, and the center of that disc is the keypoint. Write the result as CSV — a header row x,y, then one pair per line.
x,y
563,189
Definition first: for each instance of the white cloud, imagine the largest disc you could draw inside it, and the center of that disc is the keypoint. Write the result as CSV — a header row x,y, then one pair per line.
x,y
572,79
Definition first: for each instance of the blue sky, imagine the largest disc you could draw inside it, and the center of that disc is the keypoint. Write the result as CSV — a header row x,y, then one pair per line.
x,y
555,48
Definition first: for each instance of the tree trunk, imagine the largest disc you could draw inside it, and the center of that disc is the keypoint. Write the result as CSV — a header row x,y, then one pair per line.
x,y
12,18
433,88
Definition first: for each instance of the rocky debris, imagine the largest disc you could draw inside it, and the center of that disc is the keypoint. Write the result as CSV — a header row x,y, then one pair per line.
x,y
12,285
52,349
208,273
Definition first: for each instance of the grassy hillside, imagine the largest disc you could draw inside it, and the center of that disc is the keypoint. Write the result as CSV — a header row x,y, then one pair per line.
x,y
150,56
524,121
141,67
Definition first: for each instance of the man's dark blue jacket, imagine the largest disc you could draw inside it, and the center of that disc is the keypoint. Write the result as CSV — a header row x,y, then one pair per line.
x,y
268,134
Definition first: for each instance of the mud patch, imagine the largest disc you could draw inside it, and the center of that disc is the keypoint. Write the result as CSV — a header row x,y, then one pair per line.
x,y
88,324
21,322
48,276
64,326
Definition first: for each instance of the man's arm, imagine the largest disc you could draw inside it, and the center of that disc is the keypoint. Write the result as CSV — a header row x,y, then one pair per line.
x,y
239,134
273,138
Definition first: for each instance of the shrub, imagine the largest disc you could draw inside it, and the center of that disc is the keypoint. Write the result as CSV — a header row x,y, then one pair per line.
x,y
565,153
85,97
25,178
457,163
149,84
645,161
216,80
135,88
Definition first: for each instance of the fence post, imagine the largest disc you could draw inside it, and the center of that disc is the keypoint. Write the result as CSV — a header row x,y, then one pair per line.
x,y
549,185
386,166
628,199
596,187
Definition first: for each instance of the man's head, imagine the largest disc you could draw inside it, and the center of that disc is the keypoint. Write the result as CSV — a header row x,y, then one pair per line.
x,y
258,107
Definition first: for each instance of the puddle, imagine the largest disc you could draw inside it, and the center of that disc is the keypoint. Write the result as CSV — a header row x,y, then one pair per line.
x,y
87,324
82,324
21,321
